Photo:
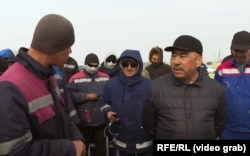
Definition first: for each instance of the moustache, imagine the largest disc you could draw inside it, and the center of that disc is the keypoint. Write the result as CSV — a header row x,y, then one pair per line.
x,y
177,68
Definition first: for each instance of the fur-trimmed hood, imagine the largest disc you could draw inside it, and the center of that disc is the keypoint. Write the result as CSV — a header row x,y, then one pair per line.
x,y
157,50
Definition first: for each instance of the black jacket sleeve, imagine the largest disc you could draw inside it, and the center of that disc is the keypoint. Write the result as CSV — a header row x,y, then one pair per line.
x,y
149,115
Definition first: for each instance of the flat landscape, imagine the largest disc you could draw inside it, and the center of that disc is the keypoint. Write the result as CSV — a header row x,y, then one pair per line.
x,y
211,67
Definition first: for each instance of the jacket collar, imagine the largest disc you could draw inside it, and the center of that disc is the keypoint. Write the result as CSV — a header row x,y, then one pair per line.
x,y
197,82
33,66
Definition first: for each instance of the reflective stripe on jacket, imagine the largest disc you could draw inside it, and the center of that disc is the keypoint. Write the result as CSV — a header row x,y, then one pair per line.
x,y
33,121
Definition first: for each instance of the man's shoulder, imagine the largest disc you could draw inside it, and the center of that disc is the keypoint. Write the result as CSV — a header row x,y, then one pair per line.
x,y
226,65
102,74
166,66
16,73
148,66
164,78
77,75
211,83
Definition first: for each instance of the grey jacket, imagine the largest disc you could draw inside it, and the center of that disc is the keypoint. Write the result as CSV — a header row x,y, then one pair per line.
x,y
175,110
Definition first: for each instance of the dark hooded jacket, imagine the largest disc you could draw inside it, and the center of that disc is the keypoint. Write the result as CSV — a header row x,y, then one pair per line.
x,y
157,69
110,71
70,68
125,96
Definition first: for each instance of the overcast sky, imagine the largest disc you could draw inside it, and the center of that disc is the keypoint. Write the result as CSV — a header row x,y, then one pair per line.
x,y
103,26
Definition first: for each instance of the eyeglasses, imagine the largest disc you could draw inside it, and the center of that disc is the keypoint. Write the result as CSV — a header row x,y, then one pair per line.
x,y
93,65
126,64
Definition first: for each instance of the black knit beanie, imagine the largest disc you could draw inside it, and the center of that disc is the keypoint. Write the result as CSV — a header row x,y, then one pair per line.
x,y
52,34
91,58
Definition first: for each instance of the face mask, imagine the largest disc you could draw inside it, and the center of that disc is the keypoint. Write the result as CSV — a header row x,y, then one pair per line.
x,y
110,65
91,70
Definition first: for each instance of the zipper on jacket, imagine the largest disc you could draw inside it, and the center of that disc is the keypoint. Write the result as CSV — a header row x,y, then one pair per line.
x,y
58,107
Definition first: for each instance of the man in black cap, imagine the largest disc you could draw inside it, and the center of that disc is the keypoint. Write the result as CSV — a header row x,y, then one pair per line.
x,y
33,120
234,76
185,104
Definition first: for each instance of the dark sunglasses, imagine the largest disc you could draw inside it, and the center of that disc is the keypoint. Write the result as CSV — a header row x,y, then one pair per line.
x,y
126,64
111,60
92,65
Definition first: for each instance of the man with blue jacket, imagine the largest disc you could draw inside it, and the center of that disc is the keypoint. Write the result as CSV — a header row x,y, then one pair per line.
x,y
233,74
122,101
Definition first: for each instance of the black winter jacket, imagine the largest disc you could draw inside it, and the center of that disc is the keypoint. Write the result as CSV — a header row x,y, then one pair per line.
x,y
158,69
175,110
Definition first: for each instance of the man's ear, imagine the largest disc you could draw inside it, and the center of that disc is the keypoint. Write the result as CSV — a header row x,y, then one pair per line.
x,y
199,60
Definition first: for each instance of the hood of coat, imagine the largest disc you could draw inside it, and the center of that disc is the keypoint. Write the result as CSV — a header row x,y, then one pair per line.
x,y
134,54
159,52
109,54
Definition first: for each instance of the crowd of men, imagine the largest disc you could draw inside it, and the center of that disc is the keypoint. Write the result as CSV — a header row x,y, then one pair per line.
x,y
50,107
